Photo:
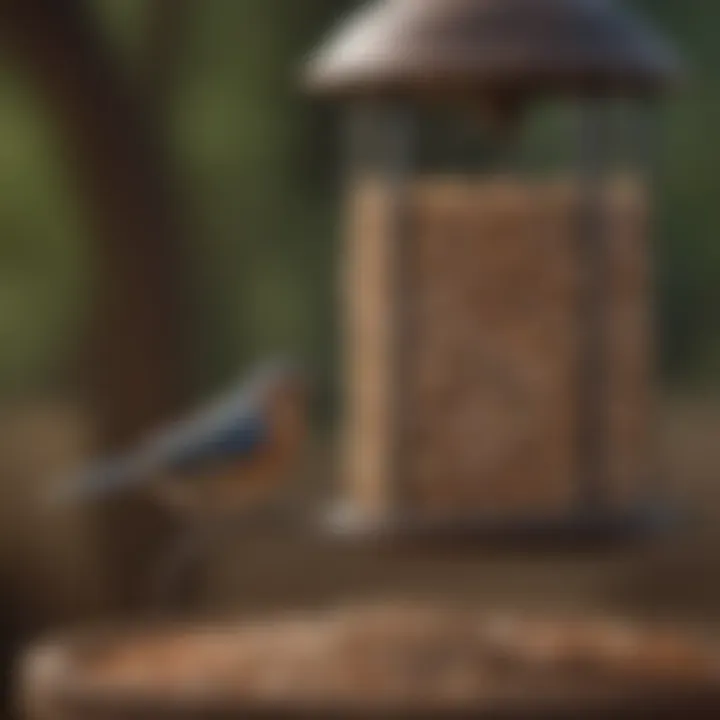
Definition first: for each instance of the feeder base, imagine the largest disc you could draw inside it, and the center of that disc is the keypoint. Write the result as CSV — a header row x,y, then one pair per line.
x,y
597,529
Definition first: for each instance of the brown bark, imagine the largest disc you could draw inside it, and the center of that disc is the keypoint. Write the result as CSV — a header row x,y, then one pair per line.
x,y
135,375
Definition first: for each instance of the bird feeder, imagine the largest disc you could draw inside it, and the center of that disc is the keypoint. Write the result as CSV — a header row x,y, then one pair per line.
x,y
497,273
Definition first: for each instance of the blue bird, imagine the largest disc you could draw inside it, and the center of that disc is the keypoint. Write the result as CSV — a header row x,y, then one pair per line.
x,y
236,451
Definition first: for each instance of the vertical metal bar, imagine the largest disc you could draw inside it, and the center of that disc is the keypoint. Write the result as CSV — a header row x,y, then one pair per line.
x,y
593,265
353,143
645,151
397,158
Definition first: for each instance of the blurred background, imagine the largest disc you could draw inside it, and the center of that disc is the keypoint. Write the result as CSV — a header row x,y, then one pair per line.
x,y
174,130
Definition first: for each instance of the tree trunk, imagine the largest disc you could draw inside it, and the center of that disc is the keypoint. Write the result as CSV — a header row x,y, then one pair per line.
x,y
135,376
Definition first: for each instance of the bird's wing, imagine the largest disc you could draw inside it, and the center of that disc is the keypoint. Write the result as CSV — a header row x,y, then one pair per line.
x,y
239,412
240,438
231,425
234,417
182,451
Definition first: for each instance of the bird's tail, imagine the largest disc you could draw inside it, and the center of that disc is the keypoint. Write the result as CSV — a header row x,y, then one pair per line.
x,y
98,482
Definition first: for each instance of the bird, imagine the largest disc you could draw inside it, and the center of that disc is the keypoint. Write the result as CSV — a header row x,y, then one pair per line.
x,y
214,467
232,454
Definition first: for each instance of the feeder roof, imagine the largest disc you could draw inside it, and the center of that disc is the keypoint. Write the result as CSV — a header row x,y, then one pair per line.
x,y
401,47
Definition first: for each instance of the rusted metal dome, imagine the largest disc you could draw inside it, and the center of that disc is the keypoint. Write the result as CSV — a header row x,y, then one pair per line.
x,y
414,47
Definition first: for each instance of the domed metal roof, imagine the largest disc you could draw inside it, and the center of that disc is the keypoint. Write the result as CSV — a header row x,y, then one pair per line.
x,y
413,47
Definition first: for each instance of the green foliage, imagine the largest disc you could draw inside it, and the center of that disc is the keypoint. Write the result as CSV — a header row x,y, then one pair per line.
x,y
42,268
689,213
259,174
